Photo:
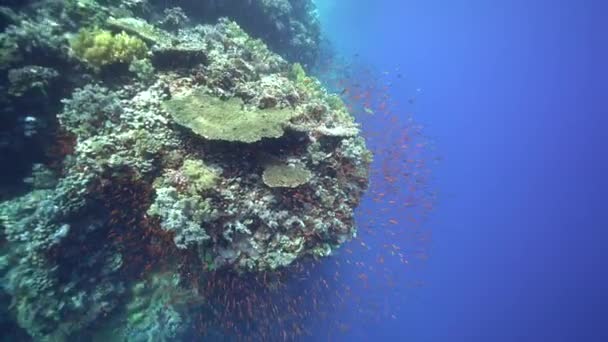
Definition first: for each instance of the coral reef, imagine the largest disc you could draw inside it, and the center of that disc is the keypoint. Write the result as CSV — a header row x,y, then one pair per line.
x,y
140,28
101,47
143,70
30,78
290,27
180,150
88,108
157,310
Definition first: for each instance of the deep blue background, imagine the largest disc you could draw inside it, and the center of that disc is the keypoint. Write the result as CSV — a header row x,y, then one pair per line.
x,y
514,93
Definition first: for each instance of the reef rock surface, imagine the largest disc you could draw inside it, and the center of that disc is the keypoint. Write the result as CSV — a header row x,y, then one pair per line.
x,y
197,148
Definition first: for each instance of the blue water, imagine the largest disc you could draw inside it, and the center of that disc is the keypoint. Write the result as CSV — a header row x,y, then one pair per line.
x,y
513,93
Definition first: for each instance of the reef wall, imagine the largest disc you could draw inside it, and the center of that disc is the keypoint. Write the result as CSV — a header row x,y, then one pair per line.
x,y
146,151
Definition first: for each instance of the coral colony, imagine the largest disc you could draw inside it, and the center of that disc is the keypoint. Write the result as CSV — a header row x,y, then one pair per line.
x,y
175,166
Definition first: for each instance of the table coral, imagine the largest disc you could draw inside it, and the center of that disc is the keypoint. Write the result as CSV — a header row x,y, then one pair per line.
x,y
216,119
285,175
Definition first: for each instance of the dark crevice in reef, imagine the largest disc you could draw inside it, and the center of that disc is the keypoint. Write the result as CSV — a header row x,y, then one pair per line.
x,y
28,124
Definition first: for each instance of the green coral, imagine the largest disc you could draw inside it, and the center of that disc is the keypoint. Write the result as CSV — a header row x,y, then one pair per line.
x,y
305,84
356,150
285,175
100,47
200,177
335,103
33,225
143,69
313,89
297,73
215,119
30,78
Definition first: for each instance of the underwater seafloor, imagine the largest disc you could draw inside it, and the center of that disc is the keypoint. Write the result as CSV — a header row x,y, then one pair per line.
x,y
178,170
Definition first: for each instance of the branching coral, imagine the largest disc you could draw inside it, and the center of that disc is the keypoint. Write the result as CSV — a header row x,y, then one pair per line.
x,y
199,177
101,47
182,214
181,205
143,69
88,108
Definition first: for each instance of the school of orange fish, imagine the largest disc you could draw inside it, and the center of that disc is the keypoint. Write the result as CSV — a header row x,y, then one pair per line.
x,y
392,238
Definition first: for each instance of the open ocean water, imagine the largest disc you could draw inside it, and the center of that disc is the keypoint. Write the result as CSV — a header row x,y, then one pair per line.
x,y
513,96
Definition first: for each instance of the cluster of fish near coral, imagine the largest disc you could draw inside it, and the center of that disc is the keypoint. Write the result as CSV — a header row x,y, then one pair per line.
x,y
180,150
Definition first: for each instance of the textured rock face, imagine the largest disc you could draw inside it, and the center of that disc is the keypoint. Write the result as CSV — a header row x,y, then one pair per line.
x,y
289,27
203,151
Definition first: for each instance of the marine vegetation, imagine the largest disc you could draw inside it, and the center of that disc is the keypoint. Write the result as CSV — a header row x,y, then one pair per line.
x,y
178,154
101,47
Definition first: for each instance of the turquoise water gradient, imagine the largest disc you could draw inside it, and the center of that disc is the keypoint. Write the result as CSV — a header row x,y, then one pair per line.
x,y
515,95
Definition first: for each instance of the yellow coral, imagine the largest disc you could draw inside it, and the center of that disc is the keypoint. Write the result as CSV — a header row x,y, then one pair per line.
x,y
200,176
101,47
